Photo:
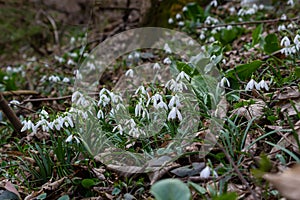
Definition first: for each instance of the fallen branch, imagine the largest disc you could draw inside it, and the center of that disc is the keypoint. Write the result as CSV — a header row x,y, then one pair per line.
x,y
10,114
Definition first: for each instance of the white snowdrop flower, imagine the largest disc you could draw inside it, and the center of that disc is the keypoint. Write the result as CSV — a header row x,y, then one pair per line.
x,y
175,86
263,85
71,62
156,66
175,101
214,31
205,172
232,10
175,113
167,61
202,36
224,61
251,84
66,80
141,89
155,99
297,42
281,27
214,3
115,98
120,128
73,55
261,6
104,100
100,114
72,40
288,50
224,81
69,138
213,57
191,42
162,104
130,57
170,21
181,23
59,59
290,3
68,121
75,96
5,78
50,125
28,125
211,20
138,109
285,41
182,75
16,102
120,106
291,26
129,73
211,39
54,79
178,16
167,48
136,54
91,66
44,114
78,75
9,69
283,17
87,54
229,27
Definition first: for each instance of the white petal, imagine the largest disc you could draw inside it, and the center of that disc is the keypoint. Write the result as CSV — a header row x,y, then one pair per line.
x,y
205,172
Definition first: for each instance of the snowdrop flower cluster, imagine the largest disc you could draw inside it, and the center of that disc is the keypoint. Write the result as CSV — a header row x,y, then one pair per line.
x,y
174,104
54,79
211,20
79,99
253,84
58,123
248,11
288,48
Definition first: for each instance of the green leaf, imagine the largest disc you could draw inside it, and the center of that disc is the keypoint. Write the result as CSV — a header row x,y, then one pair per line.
x,y
227,196
170,189
194,12
256,34
271,43
243,71
65,197
87,183
197,188
186,68
42,196
297,72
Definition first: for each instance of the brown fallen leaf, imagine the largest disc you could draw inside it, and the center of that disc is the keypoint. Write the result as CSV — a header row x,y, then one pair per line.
x,y
10,187
287,183
253,110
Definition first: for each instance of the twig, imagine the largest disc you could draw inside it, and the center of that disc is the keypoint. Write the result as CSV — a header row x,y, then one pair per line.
x,y
267,21
19,92
236,169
